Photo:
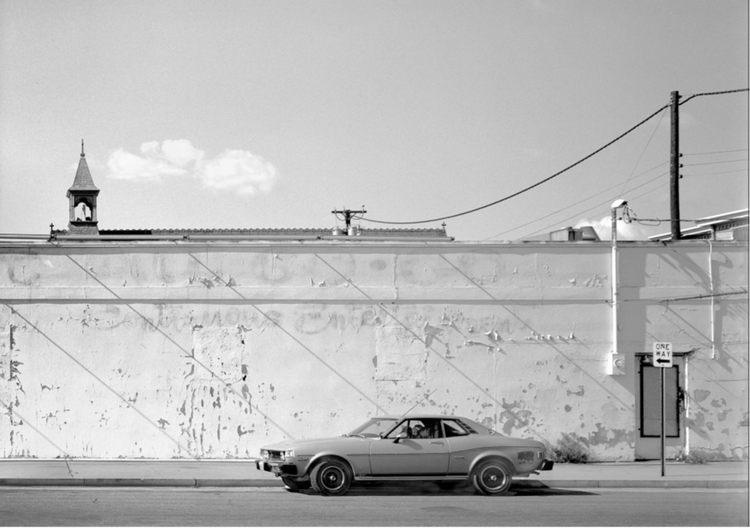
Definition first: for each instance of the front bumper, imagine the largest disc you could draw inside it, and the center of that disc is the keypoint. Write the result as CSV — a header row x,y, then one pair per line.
x,y
277,468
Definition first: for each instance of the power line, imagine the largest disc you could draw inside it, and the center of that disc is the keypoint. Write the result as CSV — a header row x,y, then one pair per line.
x,y
644,150
714,93
714,173
605,204
585,200
714,162
715,152
537,184
601,204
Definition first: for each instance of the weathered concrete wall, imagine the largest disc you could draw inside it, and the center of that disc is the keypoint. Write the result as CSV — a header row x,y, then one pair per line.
x,y
186,350
716,328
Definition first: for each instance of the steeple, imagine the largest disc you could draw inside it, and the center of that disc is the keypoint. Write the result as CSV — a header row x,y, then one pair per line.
x,y
82,200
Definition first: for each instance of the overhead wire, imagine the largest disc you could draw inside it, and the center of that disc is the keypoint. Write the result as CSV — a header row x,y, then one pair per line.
x,y
584,200
537,184
715,162
714,173
601,204
645,148
711,93
530,187
714,152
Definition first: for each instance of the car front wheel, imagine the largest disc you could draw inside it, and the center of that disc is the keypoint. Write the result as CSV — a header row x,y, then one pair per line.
x,y
492,477
331,477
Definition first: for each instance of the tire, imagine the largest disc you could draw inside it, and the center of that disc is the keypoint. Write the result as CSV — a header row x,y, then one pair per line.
x,y
292,484
331,477
492,477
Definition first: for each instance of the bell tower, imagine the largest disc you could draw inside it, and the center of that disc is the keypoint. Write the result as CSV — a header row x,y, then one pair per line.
x,y
82,201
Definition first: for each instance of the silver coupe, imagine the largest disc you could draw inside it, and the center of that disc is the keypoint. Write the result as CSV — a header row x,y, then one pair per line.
x,y
446,449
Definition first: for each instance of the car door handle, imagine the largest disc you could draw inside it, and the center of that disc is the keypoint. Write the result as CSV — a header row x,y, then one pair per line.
x,y
437,443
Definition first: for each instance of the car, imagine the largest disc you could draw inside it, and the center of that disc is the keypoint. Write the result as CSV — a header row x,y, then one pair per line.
x,y
448,450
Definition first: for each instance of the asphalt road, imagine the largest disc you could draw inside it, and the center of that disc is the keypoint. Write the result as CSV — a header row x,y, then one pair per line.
x,y
374,506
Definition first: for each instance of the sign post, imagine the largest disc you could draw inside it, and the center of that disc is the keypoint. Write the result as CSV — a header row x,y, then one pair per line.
x,y
663,359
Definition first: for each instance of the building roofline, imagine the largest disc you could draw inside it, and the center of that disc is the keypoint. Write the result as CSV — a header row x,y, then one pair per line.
x,y
708,225
740,213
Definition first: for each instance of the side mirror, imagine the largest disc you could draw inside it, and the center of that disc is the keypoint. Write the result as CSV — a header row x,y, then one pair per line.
x,y
399,437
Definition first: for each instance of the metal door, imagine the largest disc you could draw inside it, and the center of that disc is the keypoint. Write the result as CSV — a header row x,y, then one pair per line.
x,y
648,409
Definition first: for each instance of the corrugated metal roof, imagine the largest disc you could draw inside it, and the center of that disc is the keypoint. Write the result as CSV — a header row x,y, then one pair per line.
x,y
271,231
255,233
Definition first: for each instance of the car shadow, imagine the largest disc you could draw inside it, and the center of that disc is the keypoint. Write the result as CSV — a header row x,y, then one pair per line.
x,y
432,489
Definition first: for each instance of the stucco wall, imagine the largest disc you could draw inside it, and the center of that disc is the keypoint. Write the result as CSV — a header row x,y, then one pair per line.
x,y
716,328
188,350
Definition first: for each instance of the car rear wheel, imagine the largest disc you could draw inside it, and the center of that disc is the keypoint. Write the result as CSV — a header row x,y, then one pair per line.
x,y
492,477
331,477
292,484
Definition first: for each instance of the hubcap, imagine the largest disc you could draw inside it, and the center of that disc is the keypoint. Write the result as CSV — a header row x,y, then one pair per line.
x,y
332,478
493,478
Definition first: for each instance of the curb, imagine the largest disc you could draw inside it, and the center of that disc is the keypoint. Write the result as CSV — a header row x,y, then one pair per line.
x,y
139,482
266,483
670,484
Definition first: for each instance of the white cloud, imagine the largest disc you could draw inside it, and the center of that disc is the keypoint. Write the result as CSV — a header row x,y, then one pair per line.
x,y
181,152
237,171
123,165
150,147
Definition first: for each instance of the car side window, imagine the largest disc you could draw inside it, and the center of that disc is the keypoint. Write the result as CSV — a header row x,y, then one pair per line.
x,y
417,429
402,428
453,428
427,429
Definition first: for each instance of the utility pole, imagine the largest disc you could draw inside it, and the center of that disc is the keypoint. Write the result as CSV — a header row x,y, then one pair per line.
x,y
348,214
674,169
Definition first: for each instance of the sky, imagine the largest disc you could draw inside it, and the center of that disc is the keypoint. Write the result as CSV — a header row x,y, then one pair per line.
x,y
271,114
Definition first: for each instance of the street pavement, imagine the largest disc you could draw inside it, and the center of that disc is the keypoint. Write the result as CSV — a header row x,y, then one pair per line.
x,y
242,473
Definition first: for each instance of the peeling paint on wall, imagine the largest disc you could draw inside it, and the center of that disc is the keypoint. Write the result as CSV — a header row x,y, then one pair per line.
x,y
400,355
226,349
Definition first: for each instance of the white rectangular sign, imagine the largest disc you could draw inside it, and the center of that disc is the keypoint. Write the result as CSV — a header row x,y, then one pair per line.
x,y
662,355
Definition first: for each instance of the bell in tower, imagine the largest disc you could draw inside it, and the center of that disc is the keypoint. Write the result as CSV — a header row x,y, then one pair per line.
x,y
82,197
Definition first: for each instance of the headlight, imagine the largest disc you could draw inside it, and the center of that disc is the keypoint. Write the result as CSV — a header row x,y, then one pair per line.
x,y
287,454
264,454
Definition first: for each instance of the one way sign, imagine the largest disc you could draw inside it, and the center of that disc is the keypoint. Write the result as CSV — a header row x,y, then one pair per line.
x,y
662,355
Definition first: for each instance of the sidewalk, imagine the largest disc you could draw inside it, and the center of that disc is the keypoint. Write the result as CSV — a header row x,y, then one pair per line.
x,y
242,473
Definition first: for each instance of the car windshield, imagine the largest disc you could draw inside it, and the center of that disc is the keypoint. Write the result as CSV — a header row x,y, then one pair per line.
x,y
374,427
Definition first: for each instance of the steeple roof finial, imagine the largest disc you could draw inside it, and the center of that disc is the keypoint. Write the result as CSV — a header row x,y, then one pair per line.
x,y
83,154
